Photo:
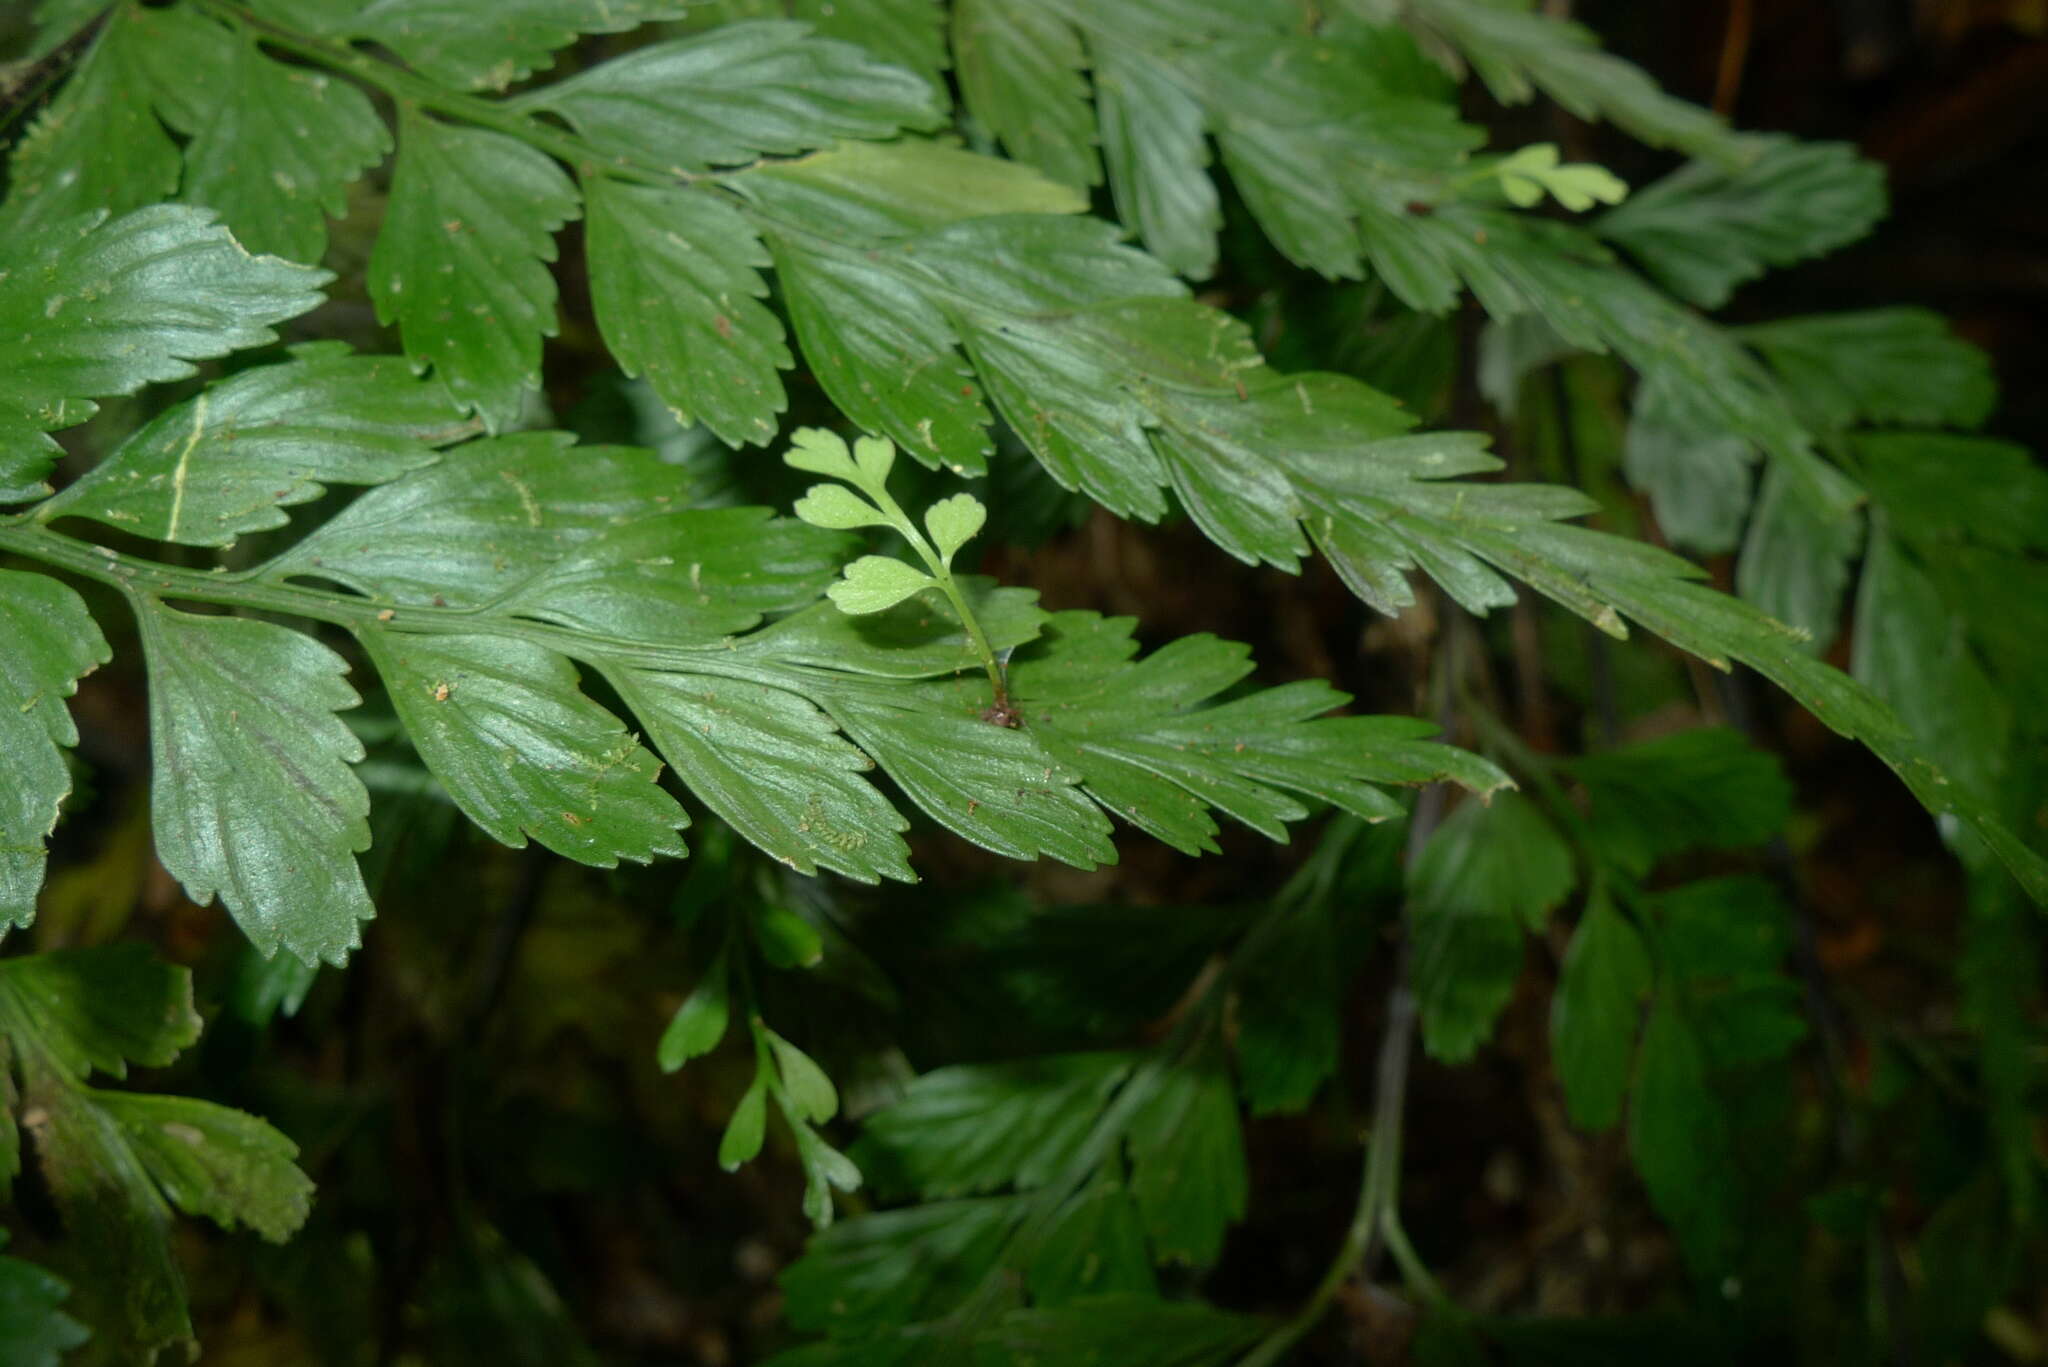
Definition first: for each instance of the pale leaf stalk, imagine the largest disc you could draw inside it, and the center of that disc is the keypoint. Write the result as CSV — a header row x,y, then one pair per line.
x,y
403,86
941,569
996,678
139,579
1376,1219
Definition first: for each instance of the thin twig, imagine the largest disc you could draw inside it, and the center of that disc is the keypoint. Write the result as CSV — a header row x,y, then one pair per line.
x,y
1734,57
1379,1185
1389,1108
1374,1223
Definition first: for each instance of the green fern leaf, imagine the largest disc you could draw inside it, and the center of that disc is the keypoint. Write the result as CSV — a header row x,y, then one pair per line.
x,y
1021,74
1722,1005
252,795
52,643
1909,652
33,1326
837,507
1516,53
909,642
725,97
773,766
1148,748
115,1163
1795,559
689,577
1700,477
1678,1138
1329,154
1160,23
1945,492
461,263
1894,366
1699,789
180,58
214,1161
1708,227
309,134
887,189
888,1268
1488,876
483,575
1713,384
522,751
98,149
122,1223
999,788
676,287
1595,1014
468,531
1097,1248
952,523
907,33
1066,353
100,307
1157,154
100,1009
1725,940
874,583
884,357
57,21
1044,344
463,46
976,1128
1999,977
1289,1005
701,1021
228,462
1526,176
1187,1163
972,1129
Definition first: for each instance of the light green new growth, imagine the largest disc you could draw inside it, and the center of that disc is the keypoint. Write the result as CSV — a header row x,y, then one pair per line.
x,y
875,583
1526,176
